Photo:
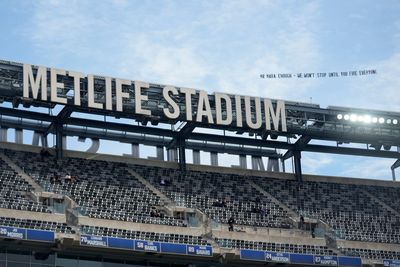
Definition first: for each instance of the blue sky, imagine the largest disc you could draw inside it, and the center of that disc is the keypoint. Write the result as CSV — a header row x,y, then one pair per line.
x,y
223,46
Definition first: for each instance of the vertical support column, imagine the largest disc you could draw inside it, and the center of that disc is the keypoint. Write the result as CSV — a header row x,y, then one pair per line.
x,y
182,152
160,152
283,165
243,161
171,154
393,175
3,134
297,165
273,165
214,158
39,138
19,137
59,141
196,156
257,163
135,150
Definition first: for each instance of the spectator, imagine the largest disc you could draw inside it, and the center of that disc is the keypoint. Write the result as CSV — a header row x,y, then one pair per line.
x,y
67,178
231,222
301,222
153,212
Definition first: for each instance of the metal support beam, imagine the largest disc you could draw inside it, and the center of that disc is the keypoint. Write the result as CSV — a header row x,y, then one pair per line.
x,y
59,141
182,152
300,143
62,116
214,158
393,167
183,133
297,165
196,156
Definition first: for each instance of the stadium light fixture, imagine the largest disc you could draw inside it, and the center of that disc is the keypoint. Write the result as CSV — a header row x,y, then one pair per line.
x,y
366,118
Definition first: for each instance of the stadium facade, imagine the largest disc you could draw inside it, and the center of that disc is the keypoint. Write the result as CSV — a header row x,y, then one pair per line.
x,y
67,208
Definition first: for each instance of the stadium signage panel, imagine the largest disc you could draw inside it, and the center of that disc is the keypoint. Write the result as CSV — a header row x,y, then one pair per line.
x,y
277,257
26,234
258,112
295,258
326,260
391,263
199,250
146,246
11,232
98,241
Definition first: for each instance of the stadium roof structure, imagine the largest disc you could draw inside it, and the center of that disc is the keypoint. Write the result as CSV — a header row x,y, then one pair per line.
x,y
349,131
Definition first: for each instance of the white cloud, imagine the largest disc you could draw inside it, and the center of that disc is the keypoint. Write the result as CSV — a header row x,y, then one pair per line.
x,y
315,163
368,167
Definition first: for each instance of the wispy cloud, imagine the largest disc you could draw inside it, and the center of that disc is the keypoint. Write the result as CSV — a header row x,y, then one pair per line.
x,y
368,167
316,163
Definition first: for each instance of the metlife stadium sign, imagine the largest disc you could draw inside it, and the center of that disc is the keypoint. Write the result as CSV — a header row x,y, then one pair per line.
x,y
225,110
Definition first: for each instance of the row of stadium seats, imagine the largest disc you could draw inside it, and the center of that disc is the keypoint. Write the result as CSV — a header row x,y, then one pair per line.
x,y
131,217
148,236
36,224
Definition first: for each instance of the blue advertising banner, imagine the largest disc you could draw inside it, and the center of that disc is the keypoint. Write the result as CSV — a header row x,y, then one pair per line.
x,y
199,250
302,258
114,242
147,246
326,260
90,240
173,248
391,263
40,235
349,261
12,232
252,255
277,257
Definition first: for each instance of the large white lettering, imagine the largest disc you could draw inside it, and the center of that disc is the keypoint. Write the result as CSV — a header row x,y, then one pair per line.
x,y
175,108
40,83
226,110
218,109
204,108
278,115
54,85
119,94
139,98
